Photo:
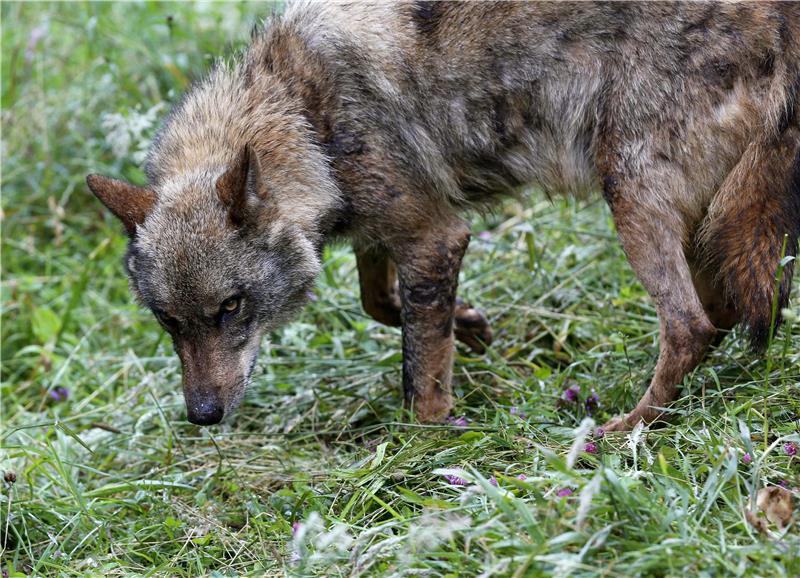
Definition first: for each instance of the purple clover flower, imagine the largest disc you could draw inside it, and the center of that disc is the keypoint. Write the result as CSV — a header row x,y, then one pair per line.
x,y
522,477
59,393
564,492
599,433
592,403
590,448
484,235
790,449
455,480
517,412
458,422
493,481
296,528
572,394
747,458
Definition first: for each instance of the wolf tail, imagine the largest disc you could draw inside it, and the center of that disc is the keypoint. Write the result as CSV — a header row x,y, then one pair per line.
x,y
754,219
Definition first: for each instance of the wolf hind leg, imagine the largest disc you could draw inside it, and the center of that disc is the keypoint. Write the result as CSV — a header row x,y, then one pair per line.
x,y
718,306
652,239
377,277
380,298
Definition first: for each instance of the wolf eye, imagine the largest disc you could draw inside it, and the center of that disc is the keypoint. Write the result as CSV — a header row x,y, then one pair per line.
x,y
230,306
166,320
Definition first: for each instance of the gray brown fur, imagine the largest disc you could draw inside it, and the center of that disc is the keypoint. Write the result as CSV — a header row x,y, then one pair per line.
x,y
385,123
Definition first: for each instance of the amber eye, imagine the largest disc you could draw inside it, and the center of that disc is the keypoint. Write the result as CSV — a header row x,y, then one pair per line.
x,y
230,305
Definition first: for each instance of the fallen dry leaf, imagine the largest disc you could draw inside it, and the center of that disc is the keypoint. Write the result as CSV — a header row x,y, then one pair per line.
x,y
776,503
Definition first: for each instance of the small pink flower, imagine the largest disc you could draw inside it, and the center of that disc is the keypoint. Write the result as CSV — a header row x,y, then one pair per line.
x,y
522,477
458,422
484,235
747,458
493,481
564,492
590,448
296,528
455,480
790,449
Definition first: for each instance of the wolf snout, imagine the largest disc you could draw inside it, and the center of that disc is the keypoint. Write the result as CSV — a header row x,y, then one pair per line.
x,y
204,412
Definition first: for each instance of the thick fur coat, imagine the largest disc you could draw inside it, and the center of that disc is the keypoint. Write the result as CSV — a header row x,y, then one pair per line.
x,y
384,123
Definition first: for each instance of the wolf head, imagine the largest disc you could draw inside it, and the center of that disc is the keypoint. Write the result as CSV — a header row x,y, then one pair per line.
x,y
213,257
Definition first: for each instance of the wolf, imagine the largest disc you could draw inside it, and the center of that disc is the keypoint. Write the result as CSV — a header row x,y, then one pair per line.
x,y
385,124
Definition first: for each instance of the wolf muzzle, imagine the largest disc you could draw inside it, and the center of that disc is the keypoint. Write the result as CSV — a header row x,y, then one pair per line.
x,y
202,391
214,377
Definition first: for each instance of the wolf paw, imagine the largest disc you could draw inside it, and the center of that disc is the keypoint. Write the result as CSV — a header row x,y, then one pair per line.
x,y
471,327
620,423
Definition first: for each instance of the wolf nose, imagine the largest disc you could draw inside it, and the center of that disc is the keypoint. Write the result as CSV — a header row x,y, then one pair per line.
x,y
204,413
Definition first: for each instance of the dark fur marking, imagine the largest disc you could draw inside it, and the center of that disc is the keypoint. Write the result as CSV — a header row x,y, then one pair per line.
x,y
426,15
343,143
499,118
610,189
767,65
425,293
723,73
409,363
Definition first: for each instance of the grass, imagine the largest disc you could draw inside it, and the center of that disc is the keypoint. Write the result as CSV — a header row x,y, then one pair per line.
x,y
112,481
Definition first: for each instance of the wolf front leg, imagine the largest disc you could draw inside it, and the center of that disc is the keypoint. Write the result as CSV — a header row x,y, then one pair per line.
x,y
652,239
428,266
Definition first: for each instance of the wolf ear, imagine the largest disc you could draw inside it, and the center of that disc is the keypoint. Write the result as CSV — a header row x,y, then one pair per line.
x,y
131,204
239,182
